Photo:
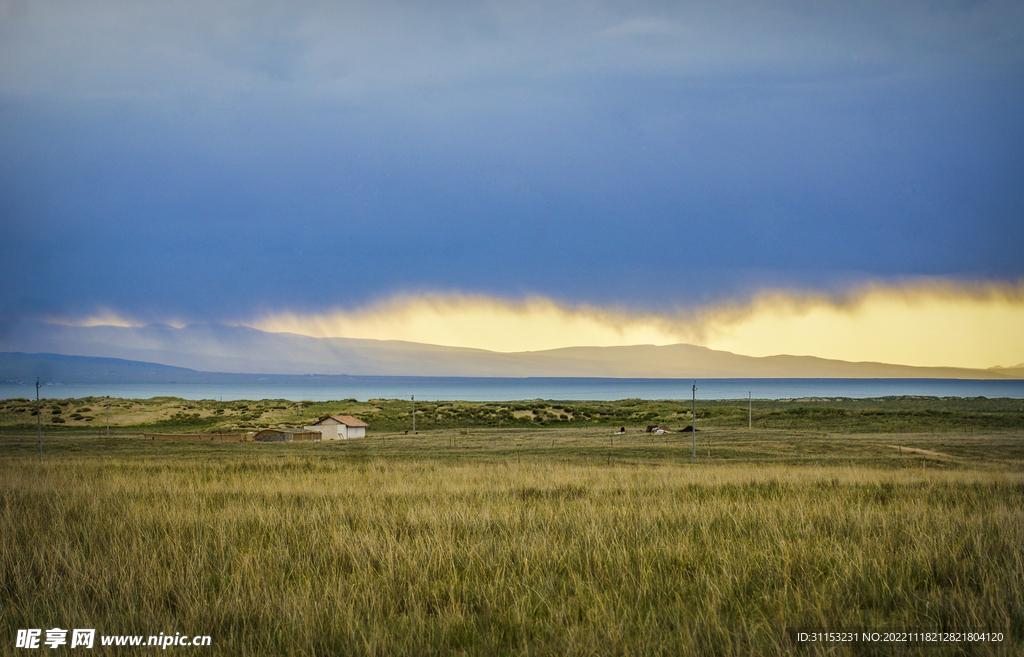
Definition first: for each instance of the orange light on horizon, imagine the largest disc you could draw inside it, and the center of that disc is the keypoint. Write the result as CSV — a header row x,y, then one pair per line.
x,y
480,322
922,324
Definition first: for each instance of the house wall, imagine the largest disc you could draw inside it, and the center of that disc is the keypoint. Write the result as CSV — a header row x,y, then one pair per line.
x,y
334,430
328,431
345,432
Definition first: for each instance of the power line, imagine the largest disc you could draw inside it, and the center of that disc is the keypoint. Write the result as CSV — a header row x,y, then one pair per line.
x,y
694,425
39,421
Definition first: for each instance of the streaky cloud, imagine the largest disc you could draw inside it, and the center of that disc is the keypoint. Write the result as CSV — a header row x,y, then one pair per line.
x,y
482,322
923,322
920,322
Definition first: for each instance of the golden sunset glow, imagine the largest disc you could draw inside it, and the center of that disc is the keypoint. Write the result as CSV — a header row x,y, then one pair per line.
x,y
482,323
925,324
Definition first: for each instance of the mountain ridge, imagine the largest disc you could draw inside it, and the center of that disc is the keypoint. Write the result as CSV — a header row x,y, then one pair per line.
x,y
220,349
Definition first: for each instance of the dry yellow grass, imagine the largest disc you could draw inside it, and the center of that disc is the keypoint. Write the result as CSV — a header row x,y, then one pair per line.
x,y
508,544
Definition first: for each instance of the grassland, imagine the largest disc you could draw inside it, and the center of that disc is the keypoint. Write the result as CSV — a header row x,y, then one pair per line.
x,y
889,414
538,539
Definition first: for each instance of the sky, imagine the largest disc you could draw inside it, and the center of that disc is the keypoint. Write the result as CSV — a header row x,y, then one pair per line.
x,y
843,179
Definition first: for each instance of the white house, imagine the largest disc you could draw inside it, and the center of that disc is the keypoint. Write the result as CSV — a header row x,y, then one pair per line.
x,y
339,427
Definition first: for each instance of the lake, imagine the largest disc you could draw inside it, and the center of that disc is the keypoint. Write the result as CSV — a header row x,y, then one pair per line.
x,y
509,389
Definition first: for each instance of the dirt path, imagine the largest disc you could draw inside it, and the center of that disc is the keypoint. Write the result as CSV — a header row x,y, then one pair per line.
x,y
916,450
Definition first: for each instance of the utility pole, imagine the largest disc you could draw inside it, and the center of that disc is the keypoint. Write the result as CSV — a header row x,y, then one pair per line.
x,y
39,421
108,416
750,412
414,415
694,425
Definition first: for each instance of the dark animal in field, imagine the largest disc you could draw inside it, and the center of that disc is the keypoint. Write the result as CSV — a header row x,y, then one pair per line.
x,y
651,427
688,429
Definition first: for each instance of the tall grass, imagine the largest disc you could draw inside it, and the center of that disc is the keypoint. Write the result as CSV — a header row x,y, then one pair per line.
x,y
277,552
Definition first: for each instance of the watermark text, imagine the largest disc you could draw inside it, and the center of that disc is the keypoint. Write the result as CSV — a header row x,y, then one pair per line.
x,y
87,638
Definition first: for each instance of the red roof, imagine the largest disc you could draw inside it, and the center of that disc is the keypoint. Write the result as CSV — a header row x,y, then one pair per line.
x,y
347,420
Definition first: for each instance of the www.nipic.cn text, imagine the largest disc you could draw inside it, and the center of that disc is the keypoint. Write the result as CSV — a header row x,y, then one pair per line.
x,y
79,638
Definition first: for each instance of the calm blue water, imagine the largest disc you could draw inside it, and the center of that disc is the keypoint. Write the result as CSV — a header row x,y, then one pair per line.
x,y
499,389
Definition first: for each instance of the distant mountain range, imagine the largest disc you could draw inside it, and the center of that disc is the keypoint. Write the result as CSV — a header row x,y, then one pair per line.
x,y
211,352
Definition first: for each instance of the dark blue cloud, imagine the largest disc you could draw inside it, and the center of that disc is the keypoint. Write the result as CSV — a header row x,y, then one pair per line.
x,y
646,156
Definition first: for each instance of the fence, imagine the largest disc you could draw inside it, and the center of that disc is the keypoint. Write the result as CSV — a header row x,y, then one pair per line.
x,y
246,437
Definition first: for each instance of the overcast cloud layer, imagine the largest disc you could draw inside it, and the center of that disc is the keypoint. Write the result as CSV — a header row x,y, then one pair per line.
x,y
204,161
